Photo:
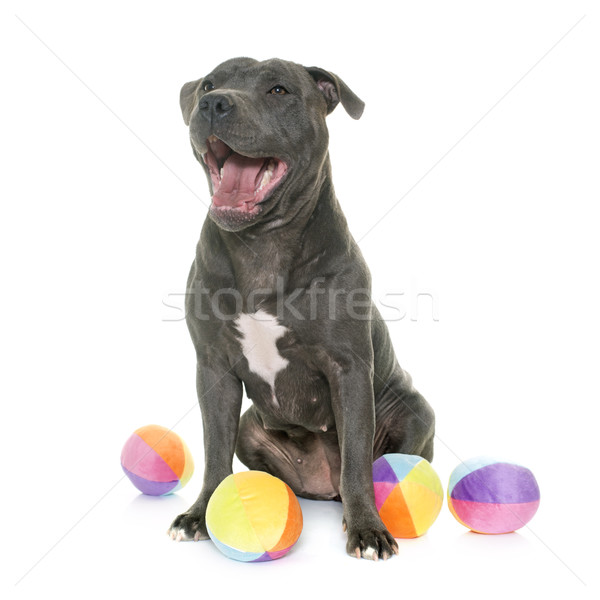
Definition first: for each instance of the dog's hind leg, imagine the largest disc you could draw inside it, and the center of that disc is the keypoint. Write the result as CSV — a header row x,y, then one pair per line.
x,y
405,423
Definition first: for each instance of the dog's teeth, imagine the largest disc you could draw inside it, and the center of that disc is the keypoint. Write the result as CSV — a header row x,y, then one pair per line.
x,y
266,178
221,172
264,181
212,138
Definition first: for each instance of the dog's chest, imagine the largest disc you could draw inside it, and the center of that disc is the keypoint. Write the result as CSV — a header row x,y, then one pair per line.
x,y
287,390
259,333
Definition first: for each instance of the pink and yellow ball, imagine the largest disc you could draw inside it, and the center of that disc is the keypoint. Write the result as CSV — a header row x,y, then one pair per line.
x,y
156,460
253,517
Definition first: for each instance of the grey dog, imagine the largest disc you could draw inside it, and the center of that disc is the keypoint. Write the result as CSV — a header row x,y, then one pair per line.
x,y
278,302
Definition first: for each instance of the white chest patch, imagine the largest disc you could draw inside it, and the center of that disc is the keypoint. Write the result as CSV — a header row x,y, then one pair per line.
x,y
260,332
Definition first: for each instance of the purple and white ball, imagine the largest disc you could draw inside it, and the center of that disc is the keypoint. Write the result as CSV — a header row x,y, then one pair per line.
x,y
491,496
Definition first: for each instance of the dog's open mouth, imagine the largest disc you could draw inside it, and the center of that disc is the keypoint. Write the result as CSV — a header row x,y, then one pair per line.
x,y
240,182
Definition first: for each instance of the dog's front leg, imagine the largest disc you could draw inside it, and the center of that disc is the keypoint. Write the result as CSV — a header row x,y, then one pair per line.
x,y
351,383
220,398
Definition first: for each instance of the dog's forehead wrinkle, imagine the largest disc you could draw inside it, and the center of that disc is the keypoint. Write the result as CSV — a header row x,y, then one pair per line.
x,y
235,63
239,72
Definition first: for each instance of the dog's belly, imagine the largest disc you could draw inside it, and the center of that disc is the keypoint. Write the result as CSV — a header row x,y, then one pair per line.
x,y
287,388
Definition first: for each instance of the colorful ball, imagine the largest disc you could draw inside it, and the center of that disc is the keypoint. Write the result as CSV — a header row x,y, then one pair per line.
x,y
490,496
156,460
253,517
408,494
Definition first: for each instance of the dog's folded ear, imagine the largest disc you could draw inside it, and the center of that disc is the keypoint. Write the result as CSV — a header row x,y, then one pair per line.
x,y
188,98
334,90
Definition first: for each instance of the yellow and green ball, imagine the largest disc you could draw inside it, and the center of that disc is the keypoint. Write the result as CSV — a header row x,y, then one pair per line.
x,y
253,517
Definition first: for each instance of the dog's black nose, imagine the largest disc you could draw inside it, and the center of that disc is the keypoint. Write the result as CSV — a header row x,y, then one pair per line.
x,y
215,106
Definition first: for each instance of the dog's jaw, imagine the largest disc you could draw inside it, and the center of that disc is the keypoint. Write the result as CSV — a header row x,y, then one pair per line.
x,y
240,183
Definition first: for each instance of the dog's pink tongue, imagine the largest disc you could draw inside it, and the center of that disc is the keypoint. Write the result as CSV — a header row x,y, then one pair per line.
x,y
239,180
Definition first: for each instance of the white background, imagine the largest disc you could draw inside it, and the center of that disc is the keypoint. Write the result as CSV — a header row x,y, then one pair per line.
x,y
479,144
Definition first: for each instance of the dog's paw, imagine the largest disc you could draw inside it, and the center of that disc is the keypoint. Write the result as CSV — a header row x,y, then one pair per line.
x,y
188,526
371,542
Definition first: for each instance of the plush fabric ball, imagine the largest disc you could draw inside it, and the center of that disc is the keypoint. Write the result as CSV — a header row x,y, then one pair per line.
x,y
253,517
156,460
490,496
408,494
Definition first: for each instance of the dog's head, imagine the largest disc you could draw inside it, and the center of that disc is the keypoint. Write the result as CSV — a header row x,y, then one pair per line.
x,y
258,129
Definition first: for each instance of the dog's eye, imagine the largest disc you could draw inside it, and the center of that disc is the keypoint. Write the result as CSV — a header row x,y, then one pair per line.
x,y
207,86
278,90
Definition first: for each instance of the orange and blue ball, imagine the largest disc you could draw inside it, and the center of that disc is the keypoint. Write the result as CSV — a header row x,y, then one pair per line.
x,y
253,517
156,460
408,494
491,496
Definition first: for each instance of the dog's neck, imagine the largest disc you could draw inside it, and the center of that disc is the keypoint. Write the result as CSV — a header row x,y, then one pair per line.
x,y
273,257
